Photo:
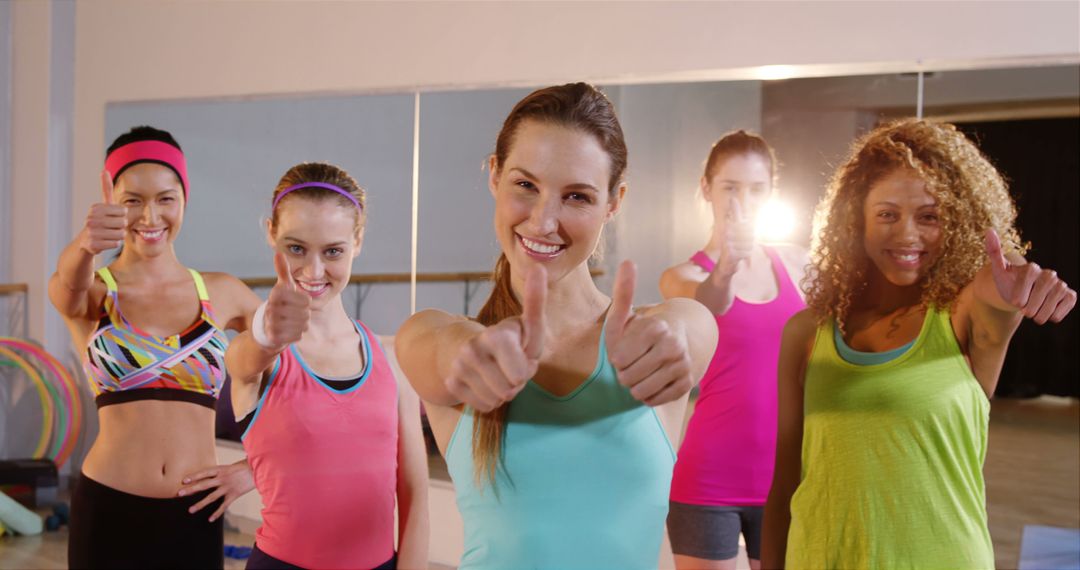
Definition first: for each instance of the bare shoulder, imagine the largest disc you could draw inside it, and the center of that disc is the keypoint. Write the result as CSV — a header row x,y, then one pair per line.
x,y
800,328
681,280
679,307
231,298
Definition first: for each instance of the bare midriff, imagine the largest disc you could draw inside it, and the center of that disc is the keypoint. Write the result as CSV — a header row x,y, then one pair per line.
x,y
147,447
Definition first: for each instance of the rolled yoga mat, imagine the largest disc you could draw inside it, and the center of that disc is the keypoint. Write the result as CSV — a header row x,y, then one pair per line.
x,y
17,517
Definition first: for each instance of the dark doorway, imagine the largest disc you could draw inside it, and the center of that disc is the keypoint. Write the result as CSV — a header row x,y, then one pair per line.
x,y
1041,160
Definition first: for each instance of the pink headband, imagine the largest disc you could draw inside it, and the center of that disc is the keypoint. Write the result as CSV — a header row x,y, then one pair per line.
x,y
148,151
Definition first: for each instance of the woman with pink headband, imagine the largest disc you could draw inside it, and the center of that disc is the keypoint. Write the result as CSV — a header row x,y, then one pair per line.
x,y
154,351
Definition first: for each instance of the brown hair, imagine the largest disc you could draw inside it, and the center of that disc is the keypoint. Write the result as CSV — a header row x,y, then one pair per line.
x,y
320,172
577,106
738,143
970,193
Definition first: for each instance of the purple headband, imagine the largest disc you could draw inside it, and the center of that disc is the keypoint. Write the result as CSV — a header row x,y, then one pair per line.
x,y
323,185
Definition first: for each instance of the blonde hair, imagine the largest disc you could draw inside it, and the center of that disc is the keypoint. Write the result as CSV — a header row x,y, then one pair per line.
x,y
971,196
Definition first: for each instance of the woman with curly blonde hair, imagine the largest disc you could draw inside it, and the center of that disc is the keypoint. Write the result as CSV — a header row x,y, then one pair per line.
x,y
916,287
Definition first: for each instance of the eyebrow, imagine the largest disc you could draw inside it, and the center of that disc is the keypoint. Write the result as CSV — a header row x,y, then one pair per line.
x,y
575,186
166,191
894,204
302,242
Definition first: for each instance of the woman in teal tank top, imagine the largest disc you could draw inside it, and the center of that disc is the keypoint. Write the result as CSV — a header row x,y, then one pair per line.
x,y
884,380
558,407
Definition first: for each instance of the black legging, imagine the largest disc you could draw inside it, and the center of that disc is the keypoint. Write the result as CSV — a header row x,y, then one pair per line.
x,y
114,529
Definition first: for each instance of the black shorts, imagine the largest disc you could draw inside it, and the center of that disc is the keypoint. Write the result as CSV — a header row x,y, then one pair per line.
x,y
712,532
114,529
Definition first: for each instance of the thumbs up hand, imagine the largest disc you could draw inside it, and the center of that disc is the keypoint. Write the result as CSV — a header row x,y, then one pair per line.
x,y
106,222
1038,293
738,238
287,309
492,367
650,358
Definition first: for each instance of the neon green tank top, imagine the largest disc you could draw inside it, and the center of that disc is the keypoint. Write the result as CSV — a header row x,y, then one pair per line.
x,y
892,459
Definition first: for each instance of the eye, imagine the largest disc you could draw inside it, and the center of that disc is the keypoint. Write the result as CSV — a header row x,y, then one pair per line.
x,y
526,184
131,202
580,197
886,215
730,188
759,189
929,218
334,252
167,199
296,249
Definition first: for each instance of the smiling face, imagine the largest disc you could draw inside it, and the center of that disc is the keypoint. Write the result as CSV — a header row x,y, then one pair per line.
x,y
154,200
319,238
902,235
551,198
746,178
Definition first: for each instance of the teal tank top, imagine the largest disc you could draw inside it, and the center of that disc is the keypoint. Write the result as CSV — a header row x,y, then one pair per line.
x,y
583,482
892,459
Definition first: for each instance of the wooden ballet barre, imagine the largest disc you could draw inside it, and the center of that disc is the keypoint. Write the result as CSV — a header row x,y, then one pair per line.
x,y
9,288
364,278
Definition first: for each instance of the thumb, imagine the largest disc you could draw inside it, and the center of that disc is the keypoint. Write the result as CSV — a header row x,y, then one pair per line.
x,y
736,210
998,264
284,274
107,187
533,298
622,299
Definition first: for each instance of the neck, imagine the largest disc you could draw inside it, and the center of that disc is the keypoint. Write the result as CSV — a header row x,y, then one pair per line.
x,y
884,297
164,265
571,299
327,320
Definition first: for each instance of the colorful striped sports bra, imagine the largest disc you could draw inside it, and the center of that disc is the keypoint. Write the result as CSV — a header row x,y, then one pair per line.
x,y
125,364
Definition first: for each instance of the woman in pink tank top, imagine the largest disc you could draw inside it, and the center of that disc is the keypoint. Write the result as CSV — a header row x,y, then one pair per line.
x,y
333,439
725,464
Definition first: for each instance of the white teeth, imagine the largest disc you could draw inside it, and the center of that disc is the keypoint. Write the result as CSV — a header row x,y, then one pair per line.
x,y
906,256
539,247
311,288
152,235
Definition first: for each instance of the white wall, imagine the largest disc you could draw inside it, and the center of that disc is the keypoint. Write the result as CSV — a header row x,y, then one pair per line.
x,y
138,51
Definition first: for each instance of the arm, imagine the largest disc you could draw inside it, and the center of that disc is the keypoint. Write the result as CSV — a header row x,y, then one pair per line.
x,y
234,301
412,477
1003,292
794,351
285,319
428,342
70,286
659,352
451,360
714,292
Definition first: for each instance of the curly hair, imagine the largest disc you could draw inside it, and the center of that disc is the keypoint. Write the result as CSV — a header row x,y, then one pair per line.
x,y
971,196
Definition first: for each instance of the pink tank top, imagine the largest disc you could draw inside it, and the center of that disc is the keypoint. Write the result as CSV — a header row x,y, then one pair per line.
x,y
325,463
728,453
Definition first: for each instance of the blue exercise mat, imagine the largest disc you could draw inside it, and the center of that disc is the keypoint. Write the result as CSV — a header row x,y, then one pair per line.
x,y
1049,548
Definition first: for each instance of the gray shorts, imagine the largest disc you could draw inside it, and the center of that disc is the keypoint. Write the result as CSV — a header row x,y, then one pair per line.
x,y
712,533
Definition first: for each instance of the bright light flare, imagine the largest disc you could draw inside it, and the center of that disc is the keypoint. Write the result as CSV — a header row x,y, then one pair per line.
x,y
775,221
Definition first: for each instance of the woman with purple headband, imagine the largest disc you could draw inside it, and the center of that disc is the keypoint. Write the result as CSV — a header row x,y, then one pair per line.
x,y
333,437
153,337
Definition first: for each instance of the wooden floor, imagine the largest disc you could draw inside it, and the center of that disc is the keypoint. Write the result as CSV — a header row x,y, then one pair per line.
x,y
1032,477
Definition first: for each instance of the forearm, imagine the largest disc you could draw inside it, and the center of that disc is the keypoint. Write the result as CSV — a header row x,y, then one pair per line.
x,y
246,359
774,533
74,276
413,527
715,291
427,345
